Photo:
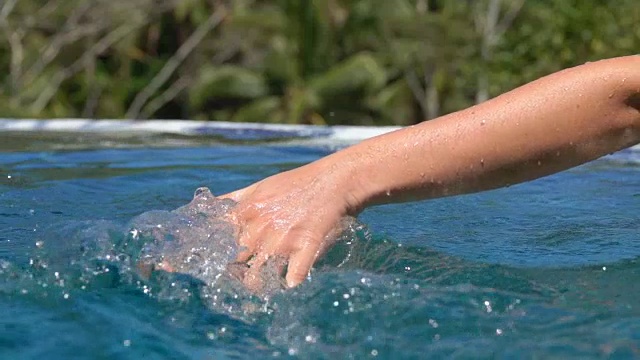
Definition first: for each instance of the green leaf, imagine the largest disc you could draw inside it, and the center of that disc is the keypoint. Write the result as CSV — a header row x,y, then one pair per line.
x,y
395,103
280,65
261,110
227,82
359,73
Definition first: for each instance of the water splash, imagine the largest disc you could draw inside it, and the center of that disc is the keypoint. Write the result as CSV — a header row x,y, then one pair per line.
x,y
367,297
194,239
178,255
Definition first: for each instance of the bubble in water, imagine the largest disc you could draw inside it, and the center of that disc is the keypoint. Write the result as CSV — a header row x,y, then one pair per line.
x,y
487,305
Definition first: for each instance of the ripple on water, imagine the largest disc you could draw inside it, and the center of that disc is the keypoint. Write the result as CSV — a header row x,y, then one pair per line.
x,y
369,297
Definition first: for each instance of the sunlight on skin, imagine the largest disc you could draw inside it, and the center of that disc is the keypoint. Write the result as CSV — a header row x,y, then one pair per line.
x,y
200,239
552,124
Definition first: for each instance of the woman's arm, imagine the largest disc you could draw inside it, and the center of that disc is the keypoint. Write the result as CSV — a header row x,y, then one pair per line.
x,y
554,123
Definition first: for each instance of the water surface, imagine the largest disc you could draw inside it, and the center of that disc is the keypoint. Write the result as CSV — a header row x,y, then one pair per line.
x,y
548,269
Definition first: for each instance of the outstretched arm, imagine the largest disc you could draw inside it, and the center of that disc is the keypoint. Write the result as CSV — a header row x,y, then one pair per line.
x,y
557,122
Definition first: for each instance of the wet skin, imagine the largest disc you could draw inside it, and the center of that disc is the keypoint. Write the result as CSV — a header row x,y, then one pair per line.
x,y
552,124
549,125
200,239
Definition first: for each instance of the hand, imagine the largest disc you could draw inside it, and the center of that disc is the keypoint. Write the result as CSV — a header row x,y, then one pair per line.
x,y
554,123
294,215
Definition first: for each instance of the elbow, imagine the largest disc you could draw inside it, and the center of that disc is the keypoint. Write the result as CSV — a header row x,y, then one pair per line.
x,y
623,75
633,102
622,84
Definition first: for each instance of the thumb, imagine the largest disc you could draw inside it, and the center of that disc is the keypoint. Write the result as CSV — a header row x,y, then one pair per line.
x,y
300,264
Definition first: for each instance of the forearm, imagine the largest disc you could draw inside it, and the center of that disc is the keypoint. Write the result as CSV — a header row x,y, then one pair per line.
x,y
549,125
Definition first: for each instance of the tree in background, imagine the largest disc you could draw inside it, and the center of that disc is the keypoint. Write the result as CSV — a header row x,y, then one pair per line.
x,y
291,61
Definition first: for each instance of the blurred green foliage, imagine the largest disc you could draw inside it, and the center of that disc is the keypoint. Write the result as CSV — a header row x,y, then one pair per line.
x,y
374,62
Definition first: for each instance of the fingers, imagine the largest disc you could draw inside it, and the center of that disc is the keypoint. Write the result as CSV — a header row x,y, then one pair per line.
x,y
300,264
252,278
236,217
300,259
244,255
248,239
264,234
246,248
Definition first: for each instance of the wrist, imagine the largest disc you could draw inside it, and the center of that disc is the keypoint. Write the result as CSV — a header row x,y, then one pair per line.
x,y
350,173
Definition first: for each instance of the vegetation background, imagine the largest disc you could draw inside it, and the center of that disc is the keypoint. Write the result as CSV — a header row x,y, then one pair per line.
x,y
375,62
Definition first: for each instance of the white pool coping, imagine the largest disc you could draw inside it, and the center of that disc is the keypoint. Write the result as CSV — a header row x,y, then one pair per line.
x,y
328,134
190,127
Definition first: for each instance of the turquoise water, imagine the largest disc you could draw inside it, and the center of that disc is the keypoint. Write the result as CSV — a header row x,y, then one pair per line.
x,y
548,269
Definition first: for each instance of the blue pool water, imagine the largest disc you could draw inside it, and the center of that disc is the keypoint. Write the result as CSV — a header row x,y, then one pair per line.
x,y
548,269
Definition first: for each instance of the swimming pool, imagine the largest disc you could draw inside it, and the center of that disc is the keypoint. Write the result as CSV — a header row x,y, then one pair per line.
x,y
545,269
